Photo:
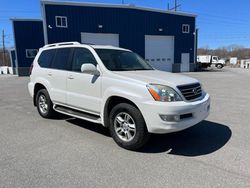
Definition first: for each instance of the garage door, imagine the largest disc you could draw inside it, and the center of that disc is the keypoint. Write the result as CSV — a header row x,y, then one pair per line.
x,y
100,38
159,51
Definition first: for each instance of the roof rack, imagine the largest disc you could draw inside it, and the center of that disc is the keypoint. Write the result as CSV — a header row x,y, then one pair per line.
x,y
61,44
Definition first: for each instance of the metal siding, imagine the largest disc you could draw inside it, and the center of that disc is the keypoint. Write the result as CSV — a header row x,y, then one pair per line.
x,y
28,35
132,25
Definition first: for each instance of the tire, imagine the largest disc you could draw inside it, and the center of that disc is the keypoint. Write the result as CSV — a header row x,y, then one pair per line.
x,y
125,120
219,66
44,104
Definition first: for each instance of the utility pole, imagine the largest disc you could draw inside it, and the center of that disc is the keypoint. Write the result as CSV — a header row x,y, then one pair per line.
x,y
3,37
176,5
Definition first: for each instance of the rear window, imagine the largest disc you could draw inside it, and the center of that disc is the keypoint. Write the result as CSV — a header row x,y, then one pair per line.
x,y
61,59
46,58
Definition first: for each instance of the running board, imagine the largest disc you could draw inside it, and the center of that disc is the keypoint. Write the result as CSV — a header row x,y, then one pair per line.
x,y
77,113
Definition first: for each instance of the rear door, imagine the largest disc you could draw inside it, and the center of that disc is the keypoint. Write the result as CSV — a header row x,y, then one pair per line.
x,y
58,73
83,90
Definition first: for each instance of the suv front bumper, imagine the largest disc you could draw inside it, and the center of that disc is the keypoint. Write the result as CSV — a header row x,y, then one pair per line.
x,y
191,113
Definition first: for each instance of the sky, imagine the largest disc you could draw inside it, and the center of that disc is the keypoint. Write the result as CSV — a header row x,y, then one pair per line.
x,y
220,22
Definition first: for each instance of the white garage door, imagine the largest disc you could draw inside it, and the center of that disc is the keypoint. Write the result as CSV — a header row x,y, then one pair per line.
x,y
185,62
100,38
159,51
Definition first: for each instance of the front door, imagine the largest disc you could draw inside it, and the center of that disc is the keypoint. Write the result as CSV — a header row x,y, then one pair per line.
x,y
185,62
83,90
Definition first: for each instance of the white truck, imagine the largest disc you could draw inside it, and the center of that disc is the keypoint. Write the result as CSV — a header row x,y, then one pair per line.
x,y
206,61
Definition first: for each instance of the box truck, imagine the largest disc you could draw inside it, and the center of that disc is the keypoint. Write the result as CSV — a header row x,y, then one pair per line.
x,y
206,61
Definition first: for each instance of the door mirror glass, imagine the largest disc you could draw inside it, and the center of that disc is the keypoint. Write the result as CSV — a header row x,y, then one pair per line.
x,y
89,68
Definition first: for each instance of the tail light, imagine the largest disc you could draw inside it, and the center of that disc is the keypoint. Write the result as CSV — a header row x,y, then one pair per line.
x,y
31,67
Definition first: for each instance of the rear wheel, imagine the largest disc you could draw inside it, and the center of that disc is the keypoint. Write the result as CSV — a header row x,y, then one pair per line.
x,y
44,104
128,127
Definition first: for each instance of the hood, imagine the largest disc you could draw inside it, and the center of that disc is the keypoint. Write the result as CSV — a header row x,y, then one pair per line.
x,y
158,77
221,61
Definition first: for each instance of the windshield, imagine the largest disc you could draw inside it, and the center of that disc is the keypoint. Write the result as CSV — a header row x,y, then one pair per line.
x,y
120,60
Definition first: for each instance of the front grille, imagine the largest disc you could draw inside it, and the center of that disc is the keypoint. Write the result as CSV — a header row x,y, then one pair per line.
x,y
191,91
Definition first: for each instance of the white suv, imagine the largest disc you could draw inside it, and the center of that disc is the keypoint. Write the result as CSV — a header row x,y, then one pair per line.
x,y
115,88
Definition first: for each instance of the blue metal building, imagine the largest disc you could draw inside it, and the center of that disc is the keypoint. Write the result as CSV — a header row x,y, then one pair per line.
x,y
28,38
164,38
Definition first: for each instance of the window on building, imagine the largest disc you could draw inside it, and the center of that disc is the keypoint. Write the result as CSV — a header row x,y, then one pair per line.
x,y
185,28
46,58
82,56
61,21
31,53
61,59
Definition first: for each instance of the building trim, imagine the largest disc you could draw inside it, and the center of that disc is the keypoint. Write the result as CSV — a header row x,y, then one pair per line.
x,y
25,19
45,31
125,6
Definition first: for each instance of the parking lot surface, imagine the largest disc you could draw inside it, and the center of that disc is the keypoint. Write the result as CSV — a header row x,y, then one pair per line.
x,y
67,152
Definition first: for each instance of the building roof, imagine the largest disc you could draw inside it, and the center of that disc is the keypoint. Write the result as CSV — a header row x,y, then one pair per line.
x,y
126,6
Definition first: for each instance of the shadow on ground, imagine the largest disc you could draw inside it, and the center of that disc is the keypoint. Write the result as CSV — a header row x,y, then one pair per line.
x,y
214,69
90,126
201,139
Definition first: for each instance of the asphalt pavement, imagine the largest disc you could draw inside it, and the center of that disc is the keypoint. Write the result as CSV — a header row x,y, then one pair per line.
x,y
67,152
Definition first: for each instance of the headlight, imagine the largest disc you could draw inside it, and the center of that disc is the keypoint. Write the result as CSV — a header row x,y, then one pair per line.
x,y
163,93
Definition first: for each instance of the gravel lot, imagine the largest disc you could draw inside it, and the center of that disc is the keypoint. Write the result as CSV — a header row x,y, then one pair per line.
x,y
66,152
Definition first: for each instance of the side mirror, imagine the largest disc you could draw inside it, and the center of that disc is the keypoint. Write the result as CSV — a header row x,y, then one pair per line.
x,y
89,68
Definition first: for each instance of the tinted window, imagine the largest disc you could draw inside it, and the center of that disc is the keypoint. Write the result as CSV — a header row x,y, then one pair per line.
x,y
61,59
120,60
46,58
82,56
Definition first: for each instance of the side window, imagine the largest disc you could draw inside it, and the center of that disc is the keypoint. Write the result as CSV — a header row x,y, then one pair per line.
x,y
82,56
61,21
61,59
31,53
46,58
185,28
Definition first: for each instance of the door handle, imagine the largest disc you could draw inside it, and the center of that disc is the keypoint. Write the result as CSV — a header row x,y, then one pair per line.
x,y
50,74
70,77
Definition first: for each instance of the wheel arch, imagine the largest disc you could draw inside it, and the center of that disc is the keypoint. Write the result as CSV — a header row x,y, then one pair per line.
x,y
38,86
111,102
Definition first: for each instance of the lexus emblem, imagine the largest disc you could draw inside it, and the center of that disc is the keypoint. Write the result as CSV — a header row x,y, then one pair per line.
x,y
195,91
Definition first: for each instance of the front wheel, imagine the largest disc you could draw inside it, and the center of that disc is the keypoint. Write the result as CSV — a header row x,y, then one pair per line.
x,y
219,66
128,127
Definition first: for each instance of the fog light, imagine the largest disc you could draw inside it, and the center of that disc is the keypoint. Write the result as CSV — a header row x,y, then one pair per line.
x,y
171,118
